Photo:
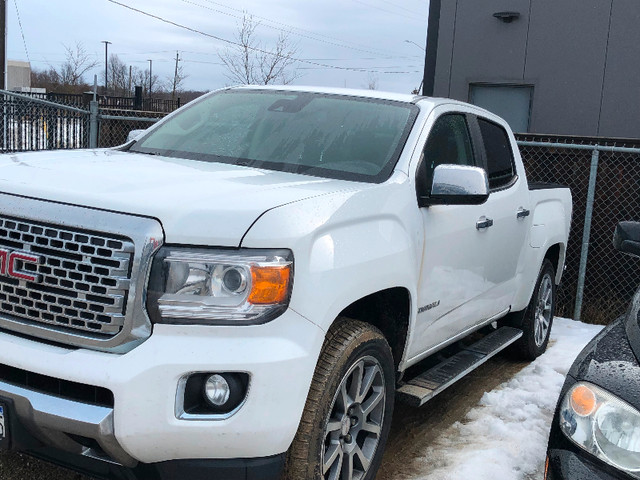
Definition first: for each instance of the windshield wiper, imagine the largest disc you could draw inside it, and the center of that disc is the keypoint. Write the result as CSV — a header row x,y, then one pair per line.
x,y
144,153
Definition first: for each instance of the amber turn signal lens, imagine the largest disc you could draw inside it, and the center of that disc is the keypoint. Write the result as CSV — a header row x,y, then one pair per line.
x,y
583,400
546,469
269,284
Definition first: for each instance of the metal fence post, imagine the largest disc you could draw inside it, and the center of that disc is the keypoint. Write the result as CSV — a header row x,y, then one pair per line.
x,y
93,124
586,233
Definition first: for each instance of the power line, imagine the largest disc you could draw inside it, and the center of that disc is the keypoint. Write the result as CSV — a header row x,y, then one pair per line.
x,y
385,10
230,42
22,31
402,8
341,43
394,72
411,57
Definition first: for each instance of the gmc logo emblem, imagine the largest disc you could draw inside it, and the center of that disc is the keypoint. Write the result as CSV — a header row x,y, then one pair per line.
x,y
10,261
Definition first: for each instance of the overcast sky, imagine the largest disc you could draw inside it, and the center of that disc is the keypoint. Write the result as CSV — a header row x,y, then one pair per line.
x,y
362,40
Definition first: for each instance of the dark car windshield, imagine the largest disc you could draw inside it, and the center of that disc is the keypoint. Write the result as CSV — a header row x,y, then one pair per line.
x,y
633,324
324,135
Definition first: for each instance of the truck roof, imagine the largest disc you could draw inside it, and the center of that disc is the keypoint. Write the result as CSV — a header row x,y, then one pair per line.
x,y
355,92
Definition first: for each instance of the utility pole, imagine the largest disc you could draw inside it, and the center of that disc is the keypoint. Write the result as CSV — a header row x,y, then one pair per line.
x,y
175,77
150,75
129,89
3,46
106,64
418,91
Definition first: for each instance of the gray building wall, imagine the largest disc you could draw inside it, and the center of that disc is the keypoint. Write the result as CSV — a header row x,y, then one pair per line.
x,y
581,58
18,75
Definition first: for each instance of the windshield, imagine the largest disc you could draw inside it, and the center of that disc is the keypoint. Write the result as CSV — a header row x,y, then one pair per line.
x,y
324,135
633,324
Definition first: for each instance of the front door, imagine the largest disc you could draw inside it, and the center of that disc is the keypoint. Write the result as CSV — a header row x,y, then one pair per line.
x,y
453,281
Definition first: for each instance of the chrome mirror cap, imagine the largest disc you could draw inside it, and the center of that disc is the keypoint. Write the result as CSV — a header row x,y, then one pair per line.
x,y
458,185
134,134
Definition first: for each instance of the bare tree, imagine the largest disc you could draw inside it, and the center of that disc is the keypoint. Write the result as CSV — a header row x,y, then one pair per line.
x,y
141,78
119,73
69,77
372,81
251,62
49,79
76,64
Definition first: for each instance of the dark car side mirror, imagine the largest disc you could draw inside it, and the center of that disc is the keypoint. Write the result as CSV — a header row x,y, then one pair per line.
x,y
626,238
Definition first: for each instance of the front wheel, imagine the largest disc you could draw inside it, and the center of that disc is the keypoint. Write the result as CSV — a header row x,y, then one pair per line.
x,y
347,416
538,318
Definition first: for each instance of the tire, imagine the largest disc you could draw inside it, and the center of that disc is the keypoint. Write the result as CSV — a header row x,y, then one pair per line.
x,y
538,317
344,429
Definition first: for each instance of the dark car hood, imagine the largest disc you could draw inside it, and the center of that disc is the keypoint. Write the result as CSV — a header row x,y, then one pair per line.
x,y
609,362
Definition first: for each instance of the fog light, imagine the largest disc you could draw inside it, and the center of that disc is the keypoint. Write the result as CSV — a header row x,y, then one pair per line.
x,y
204,394
217,390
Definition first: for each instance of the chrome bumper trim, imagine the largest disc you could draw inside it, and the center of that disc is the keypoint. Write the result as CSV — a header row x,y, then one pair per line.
x,y
53,419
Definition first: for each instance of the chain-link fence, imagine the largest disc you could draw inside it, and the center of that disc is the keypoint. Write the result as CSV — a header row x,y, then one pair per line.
x,y
604,179
115,124
29,123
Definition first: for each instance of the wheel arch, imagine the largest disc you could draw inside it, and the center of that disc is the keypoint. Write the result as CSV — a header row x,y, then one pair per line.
x,y
389,311
556,254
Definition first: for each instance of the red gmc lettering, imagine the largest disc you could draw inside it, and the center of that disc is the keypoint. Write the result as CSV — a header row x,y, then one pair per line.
x,y
4,254
9,261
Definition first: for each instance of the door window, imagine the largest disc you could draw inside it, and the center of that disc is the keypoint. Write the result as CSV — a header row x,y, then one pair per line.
x,y
500,167
449,143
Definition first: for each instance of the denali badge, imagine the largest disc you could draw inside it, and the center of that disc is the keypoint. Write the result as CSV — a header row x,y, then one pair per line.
x,y
429,307
12,264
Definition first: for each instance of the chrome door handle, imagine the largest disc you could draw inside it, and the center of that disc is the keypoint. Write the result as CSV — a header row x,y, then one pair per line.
x,y
484,222
522,212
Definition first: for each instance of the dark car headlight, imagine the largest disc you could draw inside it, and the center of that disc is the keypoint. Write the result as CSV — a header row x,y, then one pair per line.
x,y
603,425
219,287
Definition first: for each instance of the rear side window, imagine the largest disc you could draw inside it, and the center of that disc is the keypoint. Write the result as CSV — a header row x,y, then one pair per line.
x,y
500,167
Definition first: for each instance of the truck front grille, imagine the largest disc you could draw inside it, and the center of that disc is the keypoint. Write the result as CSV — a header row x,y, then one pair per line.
x,y
83,277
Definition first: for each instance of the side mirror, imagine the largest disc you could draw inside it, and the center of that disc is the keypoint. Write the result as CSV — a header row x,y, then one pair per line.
x,y
457,185
133,134
626,238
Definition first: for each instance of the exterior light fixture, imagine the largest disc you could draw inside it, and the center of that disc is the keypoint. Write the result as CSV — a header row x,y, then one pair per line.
x,y
507,17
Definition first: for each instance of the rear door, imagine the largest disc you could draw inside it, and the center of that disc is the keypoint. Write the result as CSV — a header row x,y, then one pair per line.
x,y
508,206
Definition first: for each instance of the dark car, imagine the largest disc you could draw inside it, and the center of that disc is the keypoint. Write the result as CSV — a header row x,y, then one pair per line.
x,y
595,432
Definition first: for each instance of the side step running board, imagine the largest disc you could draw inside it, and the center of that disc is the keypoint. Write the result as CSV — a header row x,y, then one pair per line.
x,y
424,387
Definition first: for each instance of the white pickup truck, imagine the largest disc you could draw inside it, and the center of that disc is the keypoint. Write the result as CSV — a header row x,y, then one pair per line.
x,y
243,291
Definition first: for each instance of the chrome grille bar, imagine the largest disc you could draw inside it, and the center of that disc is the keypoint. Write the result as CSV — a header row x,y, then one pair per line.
x,y
84,277
78,275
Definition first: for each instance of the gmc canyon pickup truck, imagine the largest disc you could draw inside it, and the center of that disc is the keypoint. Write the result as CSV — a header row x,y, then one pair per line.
x,y
243,291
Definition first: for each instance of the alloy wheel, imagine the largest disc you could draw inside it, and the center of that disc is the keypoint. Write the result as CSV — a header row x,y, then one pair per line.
x,y
354,425
543,311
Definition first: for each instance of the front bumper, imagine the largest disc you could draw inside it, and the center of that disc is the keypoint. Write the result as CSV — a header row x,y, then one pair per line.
x,y
608,362
568,465
142,427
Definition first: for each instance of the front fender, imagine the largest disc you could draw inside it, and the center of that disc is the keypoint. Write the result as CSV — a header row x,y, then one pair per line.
x,y
346,245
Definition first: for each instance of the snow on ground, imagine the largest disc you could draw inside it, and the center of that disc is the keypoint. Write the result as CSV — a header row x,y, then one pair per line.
x,y
505,437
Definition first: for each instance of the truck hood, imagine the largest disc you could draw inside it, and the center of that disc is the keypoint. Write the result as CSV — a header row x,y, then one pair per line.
x,y
198,203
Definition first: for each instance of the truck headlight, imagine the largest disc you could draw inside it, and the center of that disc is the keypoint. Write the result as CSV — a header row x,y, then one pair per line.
x,y
219,287
604,425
